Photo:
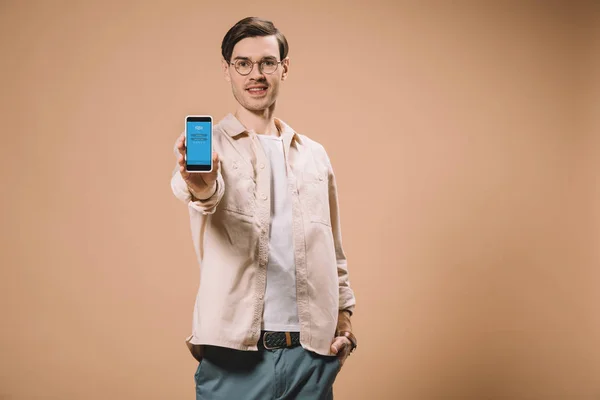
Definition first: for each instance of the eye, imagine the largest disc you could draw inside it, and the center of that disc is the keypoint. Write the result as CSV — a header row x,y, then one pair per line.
x,y
269,63
243,63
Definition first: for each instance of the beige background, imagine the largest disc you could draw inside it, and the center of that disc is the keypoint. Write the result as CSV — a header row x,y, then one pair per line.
x,y
465,138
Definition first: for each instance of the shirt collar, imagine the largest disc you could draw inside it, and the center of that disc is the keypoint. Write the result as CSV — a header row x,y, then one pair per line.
x,y
233,127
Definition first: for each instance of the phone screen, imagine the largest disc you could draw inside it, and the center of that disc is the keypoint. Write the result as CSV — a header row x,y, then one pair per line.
x,y
198,138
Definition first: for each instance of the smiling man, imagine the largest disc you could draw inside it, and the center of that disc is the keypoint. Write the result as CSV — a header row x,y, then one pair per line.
x,y
272,312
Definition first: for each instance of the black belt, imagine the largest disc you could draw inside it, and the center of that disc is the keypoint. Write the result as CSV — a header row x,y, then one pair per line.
x,y
276,340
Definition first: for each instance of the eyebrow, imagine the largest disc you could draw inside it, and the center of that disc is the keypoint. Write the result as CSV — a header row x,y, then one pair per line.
x,y
248,58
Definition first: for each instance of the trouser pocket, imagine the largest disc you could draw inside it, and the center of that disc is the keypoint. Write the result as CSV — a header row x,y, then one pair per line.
x,y
197,374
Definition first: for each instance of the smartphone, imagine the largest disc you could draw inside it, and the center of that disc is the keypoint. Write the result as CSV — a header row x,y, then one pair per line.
x,y
198,143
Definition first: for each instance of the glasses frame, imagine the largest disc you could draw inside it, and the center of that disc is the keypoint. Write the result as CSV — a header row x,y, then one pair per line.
x,y
252,66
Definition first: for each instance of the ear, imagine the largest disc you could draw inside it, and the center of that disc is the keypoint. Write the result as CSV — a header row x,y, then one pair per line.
x,y
225,66
286,67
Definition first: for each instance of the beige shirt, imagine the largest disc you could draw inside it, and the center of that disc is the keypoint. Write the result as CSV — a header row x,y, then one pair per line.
x,y
230,233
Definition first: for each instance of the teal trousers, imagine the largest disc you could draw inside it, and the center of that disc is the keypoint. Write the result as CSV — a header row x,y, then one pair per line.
x,y
288,373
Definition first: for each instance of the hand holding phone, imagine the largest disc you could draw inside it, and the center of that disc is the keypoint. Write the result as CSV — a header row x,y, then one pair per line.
x,y
197,182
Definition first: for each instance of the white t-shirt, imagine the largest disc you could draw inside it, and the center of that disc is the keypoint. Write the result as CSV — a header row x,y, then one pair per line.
x,y
280,312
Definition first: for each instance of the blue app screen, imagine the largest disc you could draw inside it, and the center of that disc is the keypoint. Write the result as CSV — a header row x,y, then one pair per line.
x,y
198,137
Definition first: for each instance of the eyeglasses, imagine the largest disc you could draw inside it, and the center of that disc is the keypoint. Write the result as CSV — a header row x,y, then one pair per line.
x,y
267,65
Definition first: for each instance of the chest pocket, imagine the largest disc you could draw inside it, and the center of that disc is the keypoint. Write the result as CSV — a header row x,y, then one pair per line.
x,y
239,196
315,194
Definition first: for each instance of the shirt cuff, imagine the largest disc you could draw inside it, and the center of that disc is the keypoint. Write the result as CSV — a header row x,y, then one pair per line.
x,y
205,194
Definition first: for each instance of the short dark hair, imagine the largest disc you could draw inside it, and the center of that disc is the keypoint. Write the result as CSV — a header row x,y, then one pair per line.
x,y
252,27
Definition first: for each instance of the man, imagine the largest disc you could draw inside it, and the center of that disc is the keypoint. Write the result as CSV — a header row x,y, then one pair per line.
x,y
272,314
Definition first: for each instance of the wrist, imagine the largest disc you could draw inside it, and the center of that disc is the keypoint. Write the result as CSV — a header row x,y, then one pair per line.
x,y
343,323
205,193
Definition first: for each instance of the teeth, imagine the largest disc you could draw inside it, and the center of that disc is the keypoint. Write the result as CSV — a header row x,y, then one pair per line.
x,y
256,89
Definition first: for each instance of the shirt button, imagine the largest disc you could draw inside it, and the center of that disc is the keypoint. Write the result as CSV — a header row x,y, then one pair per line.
x,y
264,196
320,177
261,297
262,166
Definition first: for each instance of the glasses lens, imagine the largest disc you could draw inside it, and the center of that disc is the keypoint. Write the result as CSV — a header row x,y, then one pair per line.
x,y
268,66
243,66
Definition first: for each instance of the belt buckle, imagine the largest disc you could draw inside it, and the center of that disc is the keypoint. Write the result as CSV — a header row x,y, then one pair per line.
x,y
265,341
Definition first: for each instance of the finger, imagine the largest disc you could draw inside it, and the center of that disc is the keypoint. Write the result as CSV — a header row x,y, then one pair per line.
x,y
345,351
216,160
334,349
346,346
339,343
181,144
184,174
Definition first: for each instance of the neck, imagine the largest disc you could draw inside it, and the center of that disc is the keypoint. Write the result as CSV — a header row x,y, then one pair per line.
x,y
262,122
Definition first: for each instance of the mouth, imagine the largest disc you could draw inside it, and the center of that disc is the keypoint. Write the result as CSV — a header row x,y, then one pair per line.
x,y
257,91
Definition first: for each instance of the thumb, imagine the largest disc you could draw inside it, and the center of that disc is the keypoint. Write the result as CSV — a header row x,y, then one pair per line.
x,y
338,344
215,161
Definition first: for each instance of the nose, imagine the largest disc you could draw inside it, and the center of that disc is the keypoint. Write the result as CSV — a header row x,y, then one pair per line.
x,y
256,72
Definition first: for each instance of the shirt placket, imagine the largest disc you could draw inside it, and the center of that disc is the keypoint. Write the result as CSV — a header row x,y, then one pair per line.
x,y
263,215
299,243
